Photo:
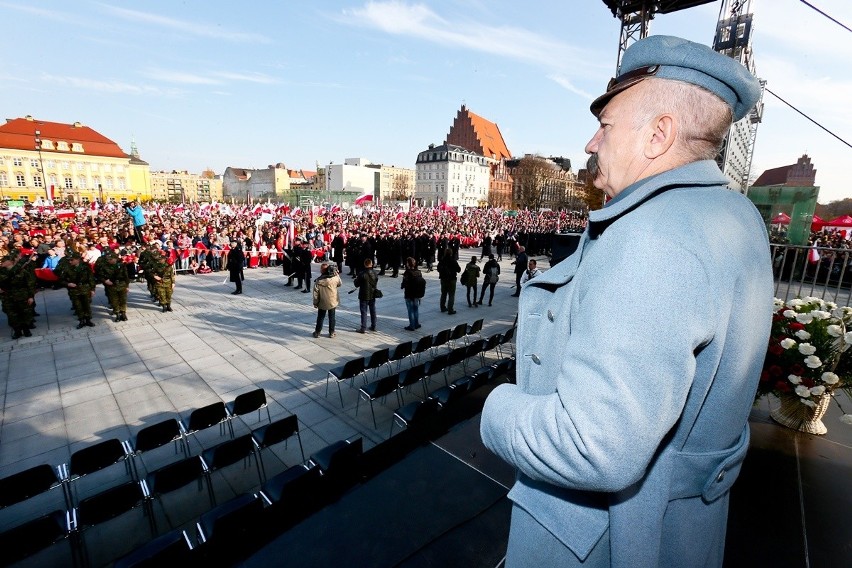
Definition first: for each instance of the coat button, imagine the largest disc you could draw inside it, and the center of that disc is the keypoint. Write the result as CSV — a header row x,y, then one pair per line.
x,y
535,359
721,477
550,315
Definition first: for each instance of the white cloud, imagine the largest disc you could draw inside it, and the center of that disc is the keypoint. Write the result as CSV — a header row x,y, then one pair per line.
x,y
216,31
560,59
247,77
114,87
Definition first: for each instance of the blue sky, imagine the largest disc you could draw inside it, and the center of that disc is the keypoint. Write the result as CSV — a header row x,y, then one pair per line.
x,y
212,84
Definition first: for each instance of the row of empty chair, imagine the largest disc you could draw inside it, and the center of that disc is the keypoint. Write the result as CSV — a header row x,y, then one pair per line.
x,y
233,526
78,514
413,351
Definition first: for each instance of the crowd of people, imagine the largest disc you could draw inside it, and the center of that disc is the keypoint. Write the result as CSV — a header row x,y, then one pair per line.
x,y
44,245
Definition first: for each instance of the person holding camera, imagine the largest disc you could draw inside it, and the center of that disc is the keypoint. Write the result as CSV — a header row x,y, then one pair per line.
x,y
138,215
326,297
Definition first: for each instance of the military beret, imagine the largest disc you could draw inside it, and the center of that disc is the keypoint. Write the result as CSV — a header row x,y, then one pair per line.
x,y
677,59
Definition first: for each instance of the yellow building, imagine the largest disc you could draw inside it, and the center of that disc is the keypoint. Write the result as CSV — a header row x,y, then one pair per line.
x,y
67,162
182,186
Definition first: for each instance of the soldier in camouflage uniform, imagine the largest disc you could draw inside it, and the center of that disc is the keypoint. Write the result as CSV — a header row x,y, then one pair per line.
x,y
146,258
77,276
113,274
163,274
17,285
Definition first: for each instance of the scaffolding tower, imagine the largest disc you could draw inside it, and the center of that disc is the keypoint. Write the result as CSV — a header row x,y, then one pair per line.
x,y
733,38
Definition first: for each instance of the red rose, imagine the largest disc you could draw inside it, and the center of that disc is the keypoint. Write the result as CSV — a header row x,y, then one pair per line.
x,y
797,370
796,326
778,317
764,377
775,371
808,382
776,349
782,386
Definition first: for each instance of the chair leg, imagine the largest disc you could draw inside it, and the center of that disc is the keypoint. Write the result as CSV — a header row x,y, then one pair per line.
x,y
301,449
340,393
373,412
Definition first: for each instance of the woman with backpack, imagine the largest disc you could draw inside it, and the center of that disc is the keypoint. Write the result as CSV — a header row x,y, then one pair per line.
x,y
414,286
470,278
492,275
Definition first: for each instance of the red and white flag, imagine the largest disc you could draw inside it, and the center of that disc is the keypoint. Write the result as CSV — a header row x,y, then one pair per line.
x,y
813,254
366,198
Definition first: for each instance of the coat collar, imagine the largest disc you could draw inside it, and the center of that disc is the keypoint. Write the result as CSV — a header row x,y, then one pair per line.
x,y
696,174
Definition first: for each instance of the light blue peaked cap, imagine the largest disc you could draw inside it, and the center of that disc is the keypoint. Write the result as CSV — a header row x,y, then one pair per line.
x,y
677,59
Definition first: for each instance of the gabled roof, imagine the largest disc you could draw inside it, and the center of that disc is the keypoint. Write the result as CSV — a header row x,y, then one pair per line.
x,y
486,133
775,176
19,134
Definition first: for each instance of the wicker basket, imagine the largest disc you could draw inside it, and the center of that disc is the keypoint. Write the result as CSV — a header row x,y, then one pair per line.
x,y
793,414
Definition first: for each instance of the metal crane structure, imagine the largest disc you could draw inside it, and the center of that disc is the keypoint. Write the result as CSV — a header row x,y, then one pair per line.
x,y
733,38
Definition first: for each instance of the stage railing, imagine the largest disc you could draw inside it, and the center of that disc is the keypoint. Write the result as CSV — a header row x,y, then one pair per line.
x,y
821,272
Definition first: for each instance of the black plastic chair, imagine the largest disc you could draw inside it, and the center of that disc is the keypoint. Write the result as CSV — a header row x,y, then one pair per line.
x,y
400,352
231,526
375,362
455,357
506,339
95,458
476,348
340,464
415,413
475,327
438,365
248,402
207,417
411,376
274,433
378,389
24,540
505,366
441,338
174,476
293,495
170,549
230,452
491,344
457,334
349,370
34,481
156,436
423,345
446,395
107,505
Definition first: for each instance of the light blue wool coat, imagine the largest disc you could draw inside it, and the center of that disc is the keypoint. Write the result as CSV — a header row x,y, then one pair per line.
x,y
637,362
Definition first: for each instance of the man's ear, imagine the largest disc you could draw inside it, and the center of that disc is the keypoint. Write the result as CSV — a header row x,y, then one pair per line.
x,y
663,134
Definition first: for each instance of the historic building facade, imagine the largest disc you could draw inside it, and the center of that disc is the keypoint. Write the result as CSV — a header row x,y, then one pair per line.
x,y
483,137
182,186
453,175
67,162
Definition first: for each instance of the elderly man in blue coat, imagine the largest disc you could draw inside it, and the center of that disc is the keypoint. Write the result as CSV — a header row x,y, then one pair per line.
x,y
639,355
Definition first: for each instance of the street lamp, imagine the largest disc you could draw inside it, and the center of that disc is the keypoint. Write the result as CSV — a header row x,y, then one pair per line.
x,y
41,164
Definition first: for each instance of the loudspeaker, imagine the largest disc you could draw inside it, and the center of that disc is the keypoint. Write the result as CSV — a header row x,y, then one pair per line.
x,y
564,245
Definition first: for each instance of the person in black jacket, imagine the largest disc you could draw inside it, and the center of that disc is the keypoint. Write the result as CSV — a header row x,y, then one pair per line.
x,y
337,245
414,287
448,267
367,282
304,255
491,270
236,258
520,266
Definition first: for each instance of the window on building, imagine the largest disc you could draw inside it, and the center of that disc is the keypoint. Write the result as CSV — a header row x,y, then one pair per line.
x,y
4,180
122,184
69,183
20,179
66,165
80,166
50,164
2,161
37,181
96,181
63,146
81,182
33,163
108,184
76,147
85,200
17,162
52,179
46,145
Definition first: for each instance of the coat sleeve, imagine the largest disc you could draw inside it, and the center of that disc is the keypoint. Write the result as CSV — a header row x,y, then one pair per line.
x,y
616,382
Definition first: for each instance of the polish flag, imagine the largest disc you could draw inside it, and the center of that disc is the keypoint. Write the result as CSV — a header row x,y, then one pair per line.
x,y
366,198
813,254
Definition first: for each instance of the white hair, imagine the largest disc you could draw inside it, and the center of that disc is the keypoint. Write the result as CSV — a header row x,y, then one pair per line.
x,y
702,117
